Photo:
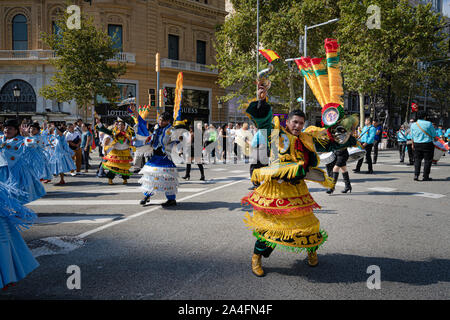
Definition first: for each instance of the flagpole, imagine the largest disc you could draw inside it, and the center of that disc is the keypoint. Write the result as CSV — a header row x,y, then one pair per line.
x,y
257,44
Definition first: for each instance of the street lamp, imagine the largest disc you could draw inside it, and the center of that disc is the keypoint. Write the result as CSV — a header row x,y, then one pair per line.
x,y
305,54
16,93
219,107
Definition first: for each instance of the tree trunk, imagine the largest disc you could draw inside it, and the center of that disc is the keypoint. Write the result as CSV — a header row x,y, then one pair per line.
x,y
361,109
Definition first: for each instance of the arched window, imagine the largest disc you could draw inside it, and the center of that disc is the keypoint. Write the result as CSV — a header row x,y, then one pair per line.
x,y
20,32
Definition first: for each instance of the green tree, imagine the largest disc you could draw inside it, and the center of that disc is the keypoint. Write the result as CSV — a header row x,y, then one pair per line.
x,y
281,24
83,65
385,60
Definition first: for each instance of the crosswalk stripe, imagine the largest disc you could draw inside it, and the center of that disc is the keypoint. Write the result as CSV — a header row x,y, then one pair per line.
x,y
382,189
89,202
429,195
126,190
75,219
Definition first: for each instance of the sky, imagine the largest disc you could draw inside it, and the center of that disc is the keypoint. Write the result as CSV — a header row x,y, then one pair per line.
x,y
446,8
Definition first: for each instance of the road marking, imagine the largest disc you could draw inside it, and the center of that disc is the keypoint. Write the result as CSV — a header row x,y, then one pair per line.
x,y
113,223
238,171
382,189
127,190
75,219
81,202
429,195
218,169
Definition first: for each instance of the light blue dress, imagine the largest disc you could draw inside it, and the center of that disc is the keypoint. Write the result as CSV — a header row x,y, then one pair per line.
x,y
60,155
38,157
16,259
15,169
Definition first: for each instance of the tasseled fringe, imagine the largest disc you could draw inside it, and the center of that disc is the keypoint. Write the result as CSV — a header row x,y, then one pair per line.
x,y
268,173
289,248
116,171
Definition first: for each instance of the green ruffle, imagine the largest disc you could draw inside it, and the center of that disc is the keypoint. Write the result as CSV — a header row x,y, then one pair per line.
x,y
288,248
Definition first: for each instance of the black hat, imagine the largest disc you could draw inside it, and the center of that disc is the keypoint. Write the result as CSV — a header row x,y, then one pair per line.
x,y
35,125
11,123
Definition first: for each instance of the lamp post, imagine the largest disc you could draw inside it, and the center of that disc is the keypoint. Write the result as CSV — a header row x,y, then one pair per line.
x,y
305,53
219,107
16,93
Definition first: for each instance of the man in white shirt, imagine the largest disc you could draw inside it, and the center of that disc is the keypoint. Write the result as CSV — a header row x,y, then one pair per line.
x,y
73,138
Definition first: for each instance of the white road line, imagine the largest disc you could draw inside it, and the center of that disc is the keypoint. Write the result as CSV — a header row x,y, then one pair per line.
x,y
429,195
218,169
382,189
75,219
113,223
238,171
82,202
126,190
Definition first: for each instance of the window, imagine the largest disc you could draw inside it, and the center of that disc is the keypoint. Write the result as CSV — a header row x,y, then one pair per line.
x,y
201,52
20,32
173,47
115,32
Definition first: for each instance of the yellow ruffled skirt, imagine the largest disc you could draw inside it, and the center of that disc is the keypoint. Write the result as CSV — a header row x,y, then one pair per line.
x,y
283,216
118,162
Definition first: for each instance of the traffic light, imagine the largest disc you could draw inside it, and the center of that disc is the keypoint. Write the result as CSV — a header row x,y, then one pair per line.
x,y
151,93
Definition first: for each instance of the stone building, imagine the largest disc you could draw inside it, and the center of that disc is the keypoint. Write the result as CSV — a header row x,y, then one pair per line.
x,y
182,31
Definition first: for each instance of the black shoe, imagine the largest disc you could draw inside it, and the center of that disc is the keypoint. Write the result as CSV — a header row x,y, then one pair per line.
x,y
369,172
416,178
356,170
169,203
186,177
330,191
145,200
202,178
427,179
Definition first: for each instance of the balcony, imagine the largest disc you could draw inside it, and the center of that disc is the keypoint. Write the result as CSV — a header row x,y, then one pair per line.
x,y
36,55
26,54
186,66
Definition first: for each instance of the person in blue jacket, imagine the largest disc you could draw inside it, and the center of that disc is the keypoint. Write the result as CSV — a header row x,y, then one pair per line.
x,y
423,134
402,139
367,139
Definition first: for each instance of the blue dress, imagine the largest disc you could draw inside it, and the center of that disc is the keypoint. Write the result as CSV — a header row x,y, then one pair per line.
x,y
38,157
60,155
16,259
15,169
160,174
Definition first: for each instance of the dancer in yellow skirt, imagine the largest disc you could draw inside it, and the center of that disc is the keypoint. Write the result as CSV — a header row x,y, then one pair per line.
x,y
118,156
282,205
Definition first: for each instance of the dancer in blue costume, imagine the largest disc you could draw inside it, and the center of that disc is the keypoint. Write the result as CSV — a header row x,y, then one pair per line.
x,y
39,159
61,155
159,173
14,164
16,260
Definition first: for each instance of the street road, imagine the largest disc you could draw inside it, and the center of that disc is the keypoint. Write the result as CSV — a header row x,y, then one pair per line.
x,y
201,249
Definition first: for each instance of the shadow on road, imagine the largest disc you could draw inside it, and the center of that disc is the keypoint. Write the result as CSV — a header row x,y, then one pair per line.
x,y
344,268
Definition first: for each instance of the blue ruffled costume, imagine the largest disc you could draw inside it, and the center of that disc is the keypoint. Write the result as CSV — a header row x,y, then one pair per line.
x,y
15,169
60,155
16,259
38,157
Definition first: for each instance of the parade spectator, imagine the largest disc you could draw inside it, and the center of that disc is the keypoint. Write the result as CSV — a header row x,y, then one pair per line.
x,y
86,141
73,138
401,139
378,133
366,138
423,135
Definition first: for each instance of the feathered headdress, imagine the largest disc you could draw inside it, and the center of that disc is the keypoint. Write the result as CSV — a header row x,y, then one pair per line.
x,y
325,82
177,104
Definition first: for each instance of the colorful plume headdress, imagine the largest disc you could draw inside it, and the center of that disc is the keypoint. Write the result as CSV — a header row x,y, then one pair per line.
x,y
177,104
325,82
143,111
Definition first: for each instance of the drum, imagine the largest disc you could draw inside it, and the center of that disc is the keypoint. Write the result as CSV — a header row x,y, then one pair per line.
x,y
327,157
439,150
355,154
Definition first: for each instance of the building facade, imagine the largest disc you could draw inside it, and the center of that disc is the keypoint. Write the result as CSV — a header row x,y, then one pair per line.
x,y
181,31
